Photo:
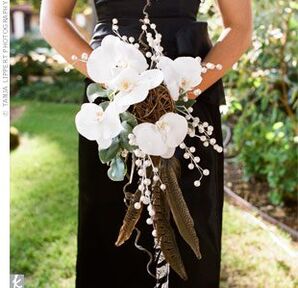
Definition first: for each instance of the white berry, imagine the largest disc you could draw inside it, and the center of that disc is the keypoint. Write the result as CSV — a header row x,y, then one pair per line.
x,y
163,187
186,156
197,159
149,221
137,205
206,172
192,149
197,183
212,141
191,166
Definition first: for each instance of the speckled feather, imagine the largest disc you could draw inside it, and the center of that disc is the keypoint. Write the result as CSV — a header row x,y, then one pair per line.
x,y
130,220
165,233
177,204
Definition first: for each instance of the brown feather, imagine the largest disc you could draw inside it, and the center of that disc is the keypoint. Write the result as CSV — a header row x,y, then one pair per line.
x,y
165,233
177,204
130,220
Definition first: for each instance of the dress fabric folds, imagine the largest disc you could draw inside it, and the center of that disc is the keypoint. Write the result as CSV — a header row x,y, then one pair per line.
x,y
99,262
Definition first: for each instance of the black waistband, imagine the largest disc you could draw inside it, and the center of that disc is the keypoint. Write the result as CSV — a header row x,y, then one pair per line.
x,y
152,19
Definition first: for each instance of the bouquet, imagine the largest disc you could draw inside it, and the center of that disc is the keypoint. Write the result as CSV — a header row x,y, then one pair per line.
x,y
144,116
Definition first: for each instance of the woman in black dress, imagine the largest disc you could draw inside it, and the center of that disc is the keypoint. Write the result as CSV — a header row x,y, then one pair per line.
x,y
101,209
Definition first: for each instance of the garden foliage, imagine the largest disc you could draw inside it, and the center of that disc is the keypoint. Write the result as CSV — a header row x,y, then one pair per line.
x,y
262,90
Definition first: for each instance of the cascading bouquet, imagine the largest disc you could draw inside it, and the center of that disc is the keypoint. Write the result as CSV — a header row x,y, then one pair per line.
x,y
144,115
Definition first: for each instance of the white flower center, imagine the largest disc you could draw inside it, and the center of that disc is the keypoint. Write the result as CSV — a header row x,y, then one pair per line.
x,y
162,126
99,115
126,85
184,83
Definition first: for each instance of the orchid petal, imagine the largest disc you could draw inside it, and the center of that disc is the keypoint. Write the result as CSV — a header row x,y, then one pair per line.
x,y
87,122
177,128
110,41
149,139
104,143
152,77
137,95
171,76
128,76
173,88
111,122
189,69
112,57
132,56
169,153
101,60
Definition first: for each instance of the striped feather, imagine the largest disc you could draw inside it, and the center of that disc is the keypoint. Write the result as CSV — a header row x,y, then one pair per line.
x,y
130,220
177,204
165,233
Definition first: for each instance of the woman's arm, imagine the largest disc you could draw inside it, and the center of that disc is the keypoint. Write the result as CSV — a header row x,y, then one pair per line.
x,y
59,32
234,41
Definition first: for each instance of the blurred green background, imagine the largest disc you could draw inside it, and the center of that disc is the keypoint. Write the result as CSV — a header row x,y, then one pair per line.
x,y
261,158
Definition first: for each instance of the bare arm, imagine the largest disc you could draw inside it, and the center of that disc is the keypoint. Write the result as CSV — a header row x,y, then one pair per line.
x,y
60,33
234,41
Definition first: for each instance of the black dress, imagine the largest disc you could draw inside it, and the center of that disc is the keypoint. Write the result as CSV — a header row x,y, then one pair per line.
x,y
101,208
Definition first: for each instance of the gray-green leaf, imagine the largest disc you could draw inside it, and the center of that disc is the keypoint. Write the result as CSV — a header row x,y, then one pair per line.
x,y
95,90
117,169
106,155
187,104
129,118
104,104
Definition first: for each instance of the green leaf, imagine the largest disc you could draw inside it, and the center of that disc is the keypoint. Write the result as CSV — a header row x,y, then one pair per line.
x,y
106,155
237,105
278,125
117,169
129,118
187,104
275,198
104,104
270,136
95,90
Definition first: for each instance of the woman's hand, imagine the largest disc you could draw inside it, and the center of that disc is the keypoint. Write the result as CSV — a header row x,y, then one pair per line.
x,y
233,42
57,29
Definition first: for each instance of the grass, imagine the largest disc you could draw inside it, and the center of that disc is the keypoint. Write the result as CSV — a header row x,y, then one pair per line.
x,y
255,254
44,195
44,212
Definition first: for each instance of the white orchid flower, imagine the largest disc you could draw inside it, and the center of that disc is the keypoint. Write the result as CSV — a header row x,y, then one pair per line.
x,y
133,87
161,138
94,123
183,73
112,57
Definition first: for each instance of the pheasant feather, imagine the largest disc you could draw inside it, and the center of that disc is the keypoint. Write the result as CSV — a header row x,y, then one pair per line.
x,y
177,204
165,233
130,220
